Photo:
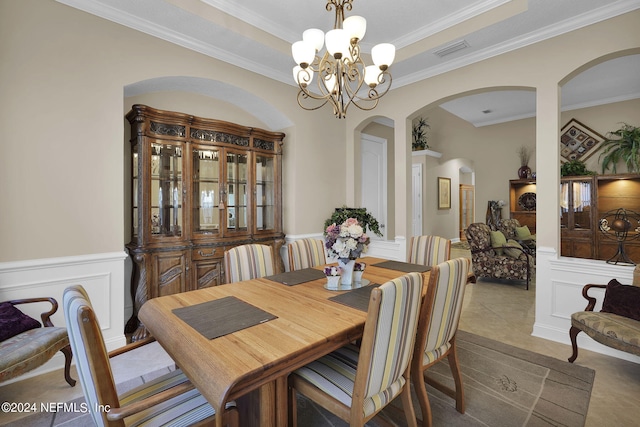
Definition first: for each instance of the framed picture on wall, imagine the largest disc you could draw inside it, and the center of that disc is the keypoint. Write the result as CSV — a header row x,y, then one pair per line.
x,y
578,142
444,193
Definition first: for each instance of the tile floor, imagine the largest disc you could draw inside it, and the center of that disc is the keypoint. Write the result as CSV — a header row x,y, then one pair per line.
x,y
501,311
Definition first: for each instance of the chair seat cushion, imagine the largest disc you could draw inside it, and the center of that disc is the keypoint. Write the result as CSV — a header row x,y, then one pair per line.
x,y
30,349
335,374
612,330
186,409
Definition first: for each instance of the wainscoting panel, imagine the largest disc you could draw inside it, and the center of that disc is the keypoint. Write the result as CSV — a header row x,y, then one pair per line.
x,y
559,283
102,275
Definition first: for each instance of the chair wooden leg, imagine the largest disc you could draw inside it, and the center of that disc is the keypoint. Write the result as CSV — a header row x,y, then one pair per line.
x,y
421,392
407,405
293,407
573,333
457,376
67,365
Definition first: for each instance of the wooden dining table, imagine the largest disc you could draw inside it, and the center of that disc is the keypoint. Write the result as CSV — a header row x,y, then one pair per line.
x,y
251,365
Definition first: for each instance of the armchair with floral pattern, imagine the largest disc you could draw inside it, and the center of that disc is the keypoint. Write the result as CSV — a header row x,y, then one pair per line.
x,y
487,262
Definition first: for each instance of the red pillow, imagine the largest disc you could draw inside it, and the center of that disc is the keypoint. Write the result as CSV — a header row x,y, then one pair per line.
x,y
14,322
623,300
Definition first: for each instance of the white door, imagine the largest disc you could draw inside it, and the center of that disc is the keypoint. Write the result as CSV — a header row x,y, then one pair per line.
x,y
374,179
416,191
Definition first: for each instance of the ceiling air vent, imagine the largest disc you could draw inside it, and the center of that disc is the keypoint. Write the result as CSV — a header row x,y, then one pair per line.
x,y
451,48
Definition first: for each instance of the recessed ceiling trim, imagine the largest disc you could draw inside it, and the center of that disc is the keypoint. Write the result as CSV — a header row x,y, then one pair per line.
x,y
448,22
235,9
574,23
152,29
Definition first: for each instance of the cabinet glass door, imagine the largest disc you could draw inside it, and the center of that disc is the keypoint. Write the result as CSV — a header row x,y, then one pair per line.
x,y
206,190
166,189
576,204
236,191
265,193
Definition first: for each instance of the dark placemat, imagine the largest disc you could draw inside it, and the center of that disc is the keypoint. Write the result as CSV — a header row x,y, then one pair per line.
x,y
405,267
357,298
292,278
223,316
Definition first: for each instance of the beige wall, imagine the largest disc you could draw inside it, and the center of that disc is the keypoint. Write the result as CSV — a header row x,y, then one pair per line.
x,y
491,152
63,94
62,83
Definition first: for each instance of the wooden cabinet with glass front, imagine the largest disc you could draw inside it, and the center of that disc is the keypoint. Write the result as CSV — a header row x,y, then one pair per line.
x,y
198,187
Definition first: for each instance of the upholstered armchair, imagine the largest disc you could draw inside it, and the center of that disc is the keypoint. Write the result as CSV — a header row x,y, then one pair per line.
x,y
25,345
488,263
617,324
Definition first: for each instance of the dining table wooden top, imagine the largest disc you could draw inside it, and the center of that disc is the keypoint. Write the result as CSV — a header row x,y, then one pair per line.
x,y
306,326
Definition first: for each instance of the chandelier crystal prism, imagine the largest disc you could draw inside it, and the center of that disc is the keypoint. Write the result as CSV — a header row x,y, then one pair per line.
x,y
341,76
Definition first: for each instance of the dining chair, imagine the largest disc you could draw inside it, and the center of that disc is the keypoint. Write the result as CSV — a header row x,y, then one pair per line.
x,y
356,383
306,253
247,262
429,250
436,336
169,400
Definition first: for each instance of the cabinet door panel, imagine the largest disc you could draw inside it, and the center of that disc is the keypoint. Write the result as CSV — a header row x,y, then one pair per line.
x,y
207,273
169,273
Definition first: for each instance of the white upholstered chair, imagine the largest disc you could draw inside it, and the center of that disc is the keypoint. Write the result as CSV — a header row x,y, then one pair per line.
x,y
372,375
168,400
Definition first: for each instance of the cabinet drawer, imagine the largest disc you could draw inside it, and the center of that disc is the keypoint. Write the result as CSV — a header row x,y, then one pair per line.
x,y
207,253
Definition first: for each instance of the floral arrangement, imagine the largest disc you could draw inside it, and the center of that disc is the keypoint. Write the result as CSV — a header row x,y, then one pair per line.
x,y
332,271
359,266
347,240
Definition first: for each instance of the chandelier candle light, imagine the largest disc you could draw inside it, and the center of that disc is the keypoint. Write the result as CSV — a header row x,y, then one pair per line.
x,y
341,72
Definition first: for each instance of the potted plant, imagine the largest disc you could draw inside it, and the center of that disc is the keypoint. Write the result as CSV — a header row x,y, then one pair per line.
x,y
622,145
420,135
365,219
575,168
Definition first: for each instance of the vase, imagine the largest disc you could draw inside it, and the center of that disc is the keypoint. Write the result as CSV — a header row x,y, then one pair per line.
x,y
333,282
346,275
524,172
357,276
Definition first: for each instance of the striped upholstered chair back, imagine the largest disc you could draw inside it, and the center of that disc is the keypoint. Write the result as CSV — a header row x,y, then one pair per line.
x,y
185,406
248,262
306,253
390,332
444,304
357,382
429,250
92,361
439,317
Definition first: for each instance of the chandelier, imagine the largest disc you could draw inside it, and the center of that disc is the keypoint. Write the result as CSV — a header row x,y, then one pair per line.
x,y
341,75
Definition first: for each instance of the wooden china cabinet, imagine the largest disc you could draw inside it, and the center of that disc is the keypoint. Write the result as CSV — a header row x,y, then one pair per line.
x,y
199,187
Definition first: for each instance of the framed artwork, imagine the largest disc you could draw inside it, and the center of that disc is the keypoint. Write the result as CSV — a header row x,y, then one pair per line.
x,y
444,193
578,142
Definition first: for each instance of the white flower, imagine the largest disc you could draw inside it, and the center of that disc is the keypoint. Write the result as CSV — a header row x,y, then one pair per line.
x,y
338,246
351,244
355,231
